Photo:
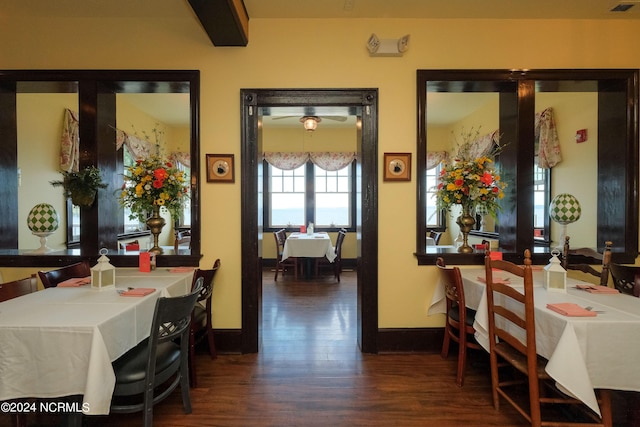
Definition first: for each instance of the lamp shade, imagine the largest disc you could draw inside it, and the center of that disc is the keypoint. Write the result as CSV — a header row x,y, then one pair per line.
x,y
565,209
43,218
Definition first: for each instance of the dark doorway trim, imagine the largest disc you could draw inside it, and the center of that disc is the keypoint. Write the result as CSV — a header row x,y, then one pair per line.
x,y
367,222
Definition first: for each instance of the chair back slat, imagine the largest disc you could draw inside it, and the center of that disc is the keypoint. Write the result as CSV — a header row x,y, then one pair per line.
x,y
604,258
17,288
626,278
51,278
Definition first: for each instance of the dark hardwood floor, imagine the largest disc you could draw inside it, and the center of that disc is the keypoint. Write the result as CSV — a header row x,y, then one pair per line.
x,y
309,372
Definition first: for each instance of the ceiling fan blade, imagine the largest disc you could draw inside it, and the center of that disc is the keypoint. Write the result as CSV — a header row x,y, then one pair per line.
x,y
336,118
283,117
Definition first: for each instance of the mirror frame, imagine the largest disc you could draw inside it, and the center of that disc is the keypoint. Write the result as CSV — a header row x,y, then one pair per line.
x,y
97,91
617,215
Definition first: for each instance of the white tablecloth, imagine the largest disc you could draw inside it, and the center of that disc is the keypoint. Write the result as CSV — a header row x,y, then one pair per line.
x,y
315,245
584,353
61,341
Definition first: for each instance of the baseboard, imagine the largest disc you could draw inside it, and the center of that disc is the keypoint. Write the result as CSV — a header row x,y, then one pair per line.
x,y
404,340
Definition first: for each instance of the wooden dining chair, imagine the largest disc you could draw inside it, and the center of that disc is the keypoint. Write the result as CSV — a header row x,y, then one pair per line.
x,y
51,278
280,237
459,323
626,278
512,343
182,238
156,366
602,275
201,322
17,288
336,265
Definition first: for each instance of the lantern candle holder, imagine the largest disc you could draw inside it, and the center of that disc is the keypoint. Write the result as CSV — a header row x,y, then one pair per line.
x,y
103,274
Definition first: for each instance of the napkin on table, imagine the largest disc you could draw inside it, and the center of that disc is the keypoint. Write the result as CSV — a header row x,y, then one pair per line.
x,y
138,292
571,309
181,269
75,282
598,289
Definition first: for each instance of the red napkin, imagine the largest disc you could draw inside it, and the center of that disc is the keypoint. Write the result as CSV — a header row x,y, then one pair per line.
x,y
596,289
132,247
181,269
500,280
571,309
75,282
138,292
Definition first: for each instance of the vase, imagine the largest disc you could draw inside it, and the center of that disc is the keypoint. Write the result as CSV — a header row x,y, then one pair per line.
x,y
155,223
465,221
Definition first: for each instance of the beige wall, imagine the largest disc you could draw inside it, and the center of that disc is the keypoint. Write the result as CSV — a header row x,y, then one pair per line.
x,y
279,56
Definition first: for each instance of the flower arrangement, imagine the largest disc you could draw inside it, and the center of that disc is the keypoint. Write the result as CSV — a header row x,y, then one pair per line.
x,y
469,181
152,183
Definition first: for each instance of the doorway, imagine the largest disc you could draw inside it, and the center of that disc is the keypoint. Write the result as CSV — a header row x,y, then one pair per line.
x,y
362,102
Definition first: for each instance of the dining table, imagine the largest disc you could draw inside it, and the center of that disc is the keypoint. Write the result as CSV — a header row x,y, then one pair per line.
x,y
61,341
308,246
582,353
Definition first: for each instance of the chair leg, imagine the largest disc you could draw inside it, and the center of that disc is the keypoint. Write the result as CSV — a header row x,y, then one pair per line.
x,y
462,359
19,420
605,407
193,382
212,345
277,269
445,343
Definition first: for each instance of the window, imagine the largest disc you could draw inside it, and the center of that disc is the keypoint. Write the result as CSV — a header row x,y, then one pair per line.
x,y
309,194
541,200
130,225
434,217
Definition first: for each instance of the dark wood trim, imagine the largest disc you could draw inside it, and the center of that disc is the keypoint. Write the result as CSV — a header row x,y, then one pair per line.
x,y
402,340
361,101
225,21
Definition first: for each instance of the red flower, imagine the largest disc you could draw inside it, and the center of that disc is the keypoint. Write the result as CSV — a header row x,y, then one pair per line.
x,y
157,183
440,186
487,179
169,164
458,182
495,189
160,174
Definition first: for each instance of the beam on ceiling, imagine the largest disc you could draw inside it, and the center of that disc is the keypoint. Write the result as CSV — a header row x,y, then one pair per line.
x,y
225,21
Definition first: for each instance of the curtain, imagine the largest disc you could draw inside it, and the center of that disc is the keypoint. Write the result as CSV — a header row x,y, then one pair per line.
x,y
181,157
546,136
325,160
70,143
483,145
434,158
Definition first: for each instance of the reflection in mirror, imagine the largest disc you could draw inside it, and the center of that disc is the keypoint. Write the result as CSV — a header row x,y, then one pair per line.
x,y
599,168
95,108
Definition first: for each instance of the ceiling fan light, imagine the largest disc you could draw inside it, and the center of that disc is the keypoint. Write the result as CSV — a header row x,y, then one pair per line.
x,y
310,123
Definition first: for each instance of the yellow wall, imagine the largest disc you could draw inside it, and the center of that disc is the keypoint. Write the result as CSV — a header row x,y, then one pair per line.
x,y
278,56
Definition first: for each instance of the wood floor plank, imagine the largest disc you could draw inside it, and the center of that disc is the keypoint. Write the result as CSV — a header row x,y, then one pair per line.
x,y
309,372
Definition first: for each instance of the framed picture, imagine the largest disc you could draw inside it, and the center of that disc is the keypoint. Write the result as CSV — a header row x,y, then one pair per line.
x,y
220,168
397,166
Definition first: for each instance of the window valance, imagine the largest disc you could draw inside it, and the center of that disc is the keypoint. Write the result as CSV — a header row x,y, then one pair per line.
x,y
330,161
139,148
434,158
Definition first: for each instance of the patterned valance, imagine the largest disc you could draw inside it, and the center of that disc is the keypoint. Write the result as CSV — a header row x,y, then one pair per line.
x,y
434,158
138,147
330,161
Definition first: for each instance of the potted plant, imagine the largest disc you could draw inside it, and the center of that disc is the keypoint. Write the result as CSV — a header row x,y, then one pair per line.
x,y
81,186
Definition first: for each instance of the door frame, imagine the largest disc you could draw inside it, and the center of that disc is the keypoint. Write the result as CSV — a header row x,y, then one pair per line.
x,y
365,100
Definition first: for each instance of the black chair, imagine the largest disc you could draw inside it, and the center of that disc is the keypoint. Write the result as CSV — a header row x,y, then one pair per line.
x,y
51,278
280,237
460,318
147,368
626,278
201,323
604,258
435,235
336,265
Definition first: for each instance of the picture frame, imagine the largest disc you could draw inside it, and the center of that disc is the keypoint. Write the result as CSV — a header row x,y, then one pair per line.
x,y
220,168
397,167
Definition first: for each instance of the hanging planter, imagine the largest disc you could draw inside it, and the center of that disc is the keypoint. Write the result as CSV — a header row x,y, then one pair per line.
x,y
82,186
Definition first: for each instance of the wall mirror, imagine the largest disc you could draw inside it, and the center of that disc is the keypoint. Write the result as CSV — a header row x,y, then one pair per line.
x,y
599,168
157,106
